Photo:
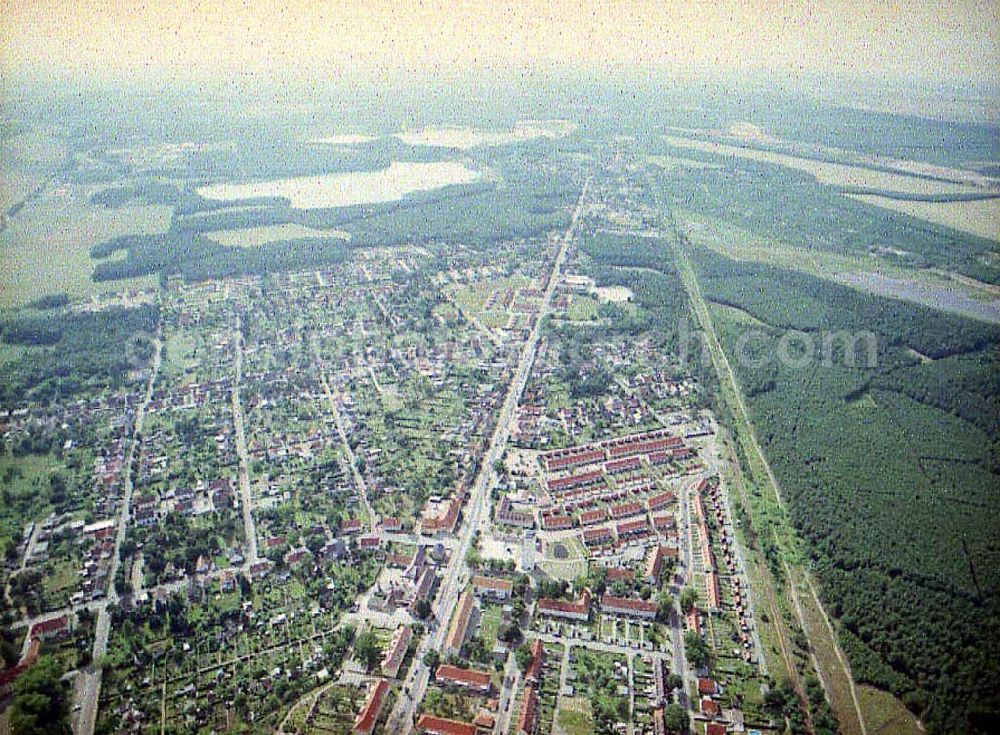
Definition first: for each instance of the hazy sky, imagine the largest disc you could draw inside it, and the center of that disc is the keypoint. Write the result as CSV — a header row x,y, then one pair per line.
x,y
938,40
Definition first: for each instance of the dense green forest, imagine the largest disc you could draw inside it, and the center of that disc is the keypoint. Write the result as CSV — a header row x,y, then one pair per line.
x,y
890,472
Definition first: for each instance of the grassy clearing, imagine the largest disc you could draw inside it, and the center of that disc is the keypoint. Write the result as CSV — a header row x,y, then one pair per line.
x,y
581,308
573,566
886,715
573,717
740,244
835,676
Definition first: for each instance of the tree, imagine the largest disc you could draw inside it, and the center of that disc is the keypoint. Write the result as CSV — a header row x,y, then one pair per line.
x,y
676,718
40,701
688,599
510,633
697,651
366,649
523,656
666,606
431,659
422,609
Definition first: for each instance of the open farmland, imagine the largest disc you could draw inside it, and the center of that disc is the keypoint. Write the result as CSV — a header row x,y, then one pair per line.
x,y
46,247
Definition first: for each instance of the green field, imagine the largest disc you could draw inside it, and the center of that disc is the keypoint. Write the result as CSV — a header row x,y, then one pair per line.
x,y
46,247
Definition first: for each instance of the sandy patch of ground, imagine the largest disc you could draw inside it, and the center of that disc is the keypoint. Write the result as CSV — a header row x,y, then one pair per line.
x,y
980,217
464,138
253,236
344,139
613,294
836,174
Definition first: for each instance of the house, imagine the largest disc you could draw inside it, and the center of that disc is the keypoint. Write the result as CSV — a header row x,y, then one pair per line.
x,y
658,502
445,523
707,687
508,516
395,652
261,569
484,721
590,517
562,484
632,529
294,556
364,722
626,510
664,524
710,708
459,624
627,464
53,629
431,725
274,542
391,525
619,574
369,542
629,607
715,728
423,589
533,674
596,536
227,583
562,459
471,679
350,526
657,562
713,590
492,587
526,720
557,522
579,610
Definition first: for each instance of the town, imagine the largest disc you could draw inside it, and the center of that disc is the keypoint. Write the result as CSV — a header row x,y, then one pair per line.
x,y
421,491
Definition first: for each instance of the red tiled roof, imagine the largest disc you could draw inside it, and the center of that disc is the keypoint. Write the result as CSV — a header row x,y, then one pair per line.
x,y
459,624
365,721
534,672
443,726
53,625
492,583
464,677
581,608
626,509
706,686
526,720
609,602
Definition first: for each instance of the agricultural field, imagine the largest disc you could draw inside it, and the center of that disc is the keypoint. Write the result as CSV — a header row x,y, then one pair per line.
x,y
48,245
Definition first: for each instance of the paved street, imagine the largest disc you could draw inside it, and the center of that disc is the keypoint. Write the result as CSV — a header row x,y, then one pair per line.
x,y
456,574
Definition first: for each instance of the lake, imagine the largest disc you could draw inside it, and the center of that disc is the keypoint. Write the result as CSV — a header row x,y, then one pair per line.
x,y
348,189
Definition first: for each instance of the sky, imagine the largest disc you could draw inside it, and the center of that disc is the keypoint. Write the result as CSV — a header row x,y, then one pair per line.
x,y
957,41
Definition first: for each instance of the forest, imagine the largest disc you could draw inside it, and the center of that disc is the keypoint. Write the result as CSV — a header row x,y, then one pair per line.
x,y
65,354
890,473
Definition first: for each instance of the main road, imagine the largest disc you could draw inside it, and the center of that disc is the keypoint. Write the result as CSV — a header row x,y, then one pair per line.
x,y
246,495
88,685
456,574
